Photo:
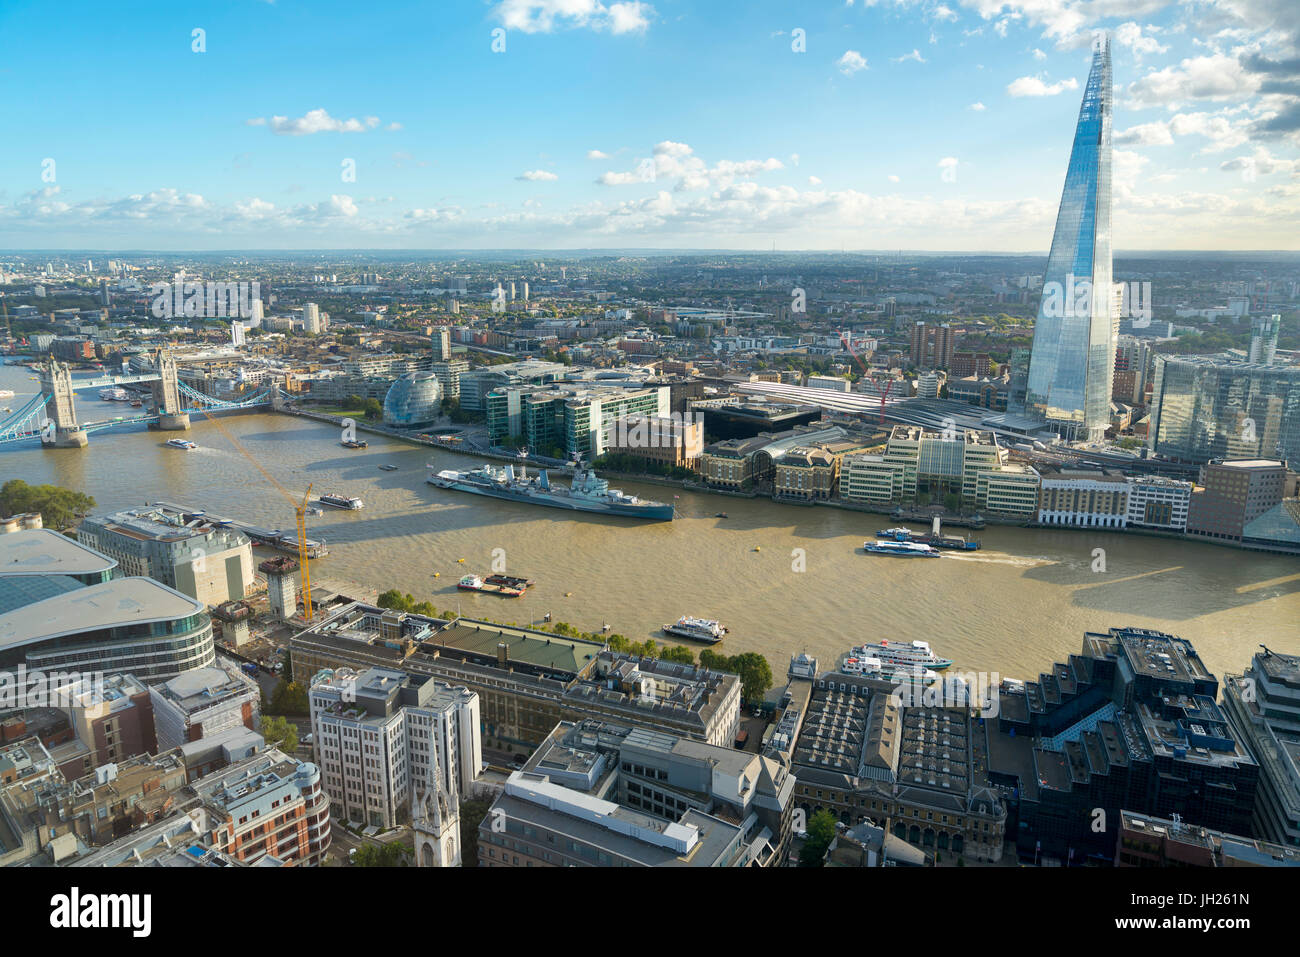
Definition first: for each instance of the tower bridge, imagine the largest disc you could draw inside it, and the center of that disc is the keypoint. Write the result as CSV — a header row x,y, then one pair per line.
x,y
52,415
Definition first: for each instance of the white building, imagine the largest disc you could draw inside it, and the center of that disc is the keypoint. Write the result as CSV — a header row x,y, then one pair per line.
x,y
311,320
204,702
833,382
1160,503
1083,498
376,737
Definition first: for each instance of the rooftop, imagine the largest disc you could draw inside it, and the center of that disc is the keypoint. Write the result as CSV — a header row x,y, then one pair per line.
x,y
43,551
111,604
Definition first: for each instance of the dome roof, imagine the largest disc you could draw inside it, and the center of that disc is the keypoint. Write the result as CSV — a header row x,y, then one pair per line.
x,y
413,400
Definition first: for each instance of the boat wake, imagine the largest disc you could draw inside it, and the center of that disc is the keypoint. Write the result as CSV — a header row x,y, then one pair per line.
x,y
1021,562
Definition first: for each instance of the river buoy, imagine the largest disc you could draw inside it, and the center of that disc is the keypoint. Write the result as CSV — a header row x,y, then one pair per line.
x,y
437,574
758,548
568,594
460,561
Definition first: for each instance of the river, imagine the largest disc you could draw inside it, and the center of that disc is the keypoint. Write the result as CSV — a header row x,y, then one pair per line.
x,y
1019,604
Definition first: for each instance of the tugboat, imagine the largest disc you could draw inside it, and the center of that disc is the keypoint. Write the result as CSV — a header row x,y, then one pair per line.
x,y
696,629
475,583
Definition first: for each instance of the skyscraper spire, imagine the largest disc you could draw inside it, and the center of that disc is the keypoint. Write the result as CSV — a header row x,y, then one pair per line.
x,y
1073,356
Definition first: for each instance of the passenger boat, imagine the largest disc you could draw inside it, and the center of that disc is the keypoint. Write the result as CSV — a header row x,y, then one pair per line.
x,y
335,500
185,444
697,629
902,549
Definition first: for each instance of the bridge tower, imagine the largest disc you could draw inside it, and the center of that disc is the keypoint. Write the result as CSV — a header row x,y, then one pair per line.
x,y
172,416
62,432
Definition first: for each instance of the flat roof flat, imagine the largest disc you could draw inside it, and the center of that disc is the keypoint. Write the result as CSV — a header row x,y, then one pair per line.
x,y
43,551
524,646
110,604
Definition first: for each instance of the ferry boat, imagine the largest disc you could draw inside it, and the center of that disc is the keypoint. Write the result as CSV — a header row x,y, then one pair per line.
x,y
902,549
475,583
185,444
341,501
868,666
697,629
115,394
6,393
897,534
912,657
586,493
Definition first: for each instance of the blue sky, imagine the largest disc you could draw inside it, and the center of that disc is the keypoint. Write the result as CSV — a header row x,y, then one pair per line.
x,y
900,124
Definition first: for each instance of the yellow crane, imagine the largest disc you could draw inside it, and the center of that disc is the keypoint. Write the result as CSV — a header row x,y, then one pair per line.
x,y
300,508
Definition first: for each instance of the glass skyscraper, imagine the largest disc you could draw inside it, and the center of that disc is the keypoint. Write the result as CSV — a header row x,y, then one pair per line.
x,y
1073,354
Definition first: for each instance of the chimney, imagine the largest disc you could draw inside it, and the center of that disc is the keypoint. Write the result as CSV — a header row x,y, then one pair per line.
x,y
503,653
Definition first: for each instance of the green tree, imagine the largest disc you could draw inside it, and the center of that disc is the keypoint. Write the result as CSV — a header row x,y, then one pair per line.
x,y
472,814
821,831
289,697
59,507
383,854
280,733
372,409
353,402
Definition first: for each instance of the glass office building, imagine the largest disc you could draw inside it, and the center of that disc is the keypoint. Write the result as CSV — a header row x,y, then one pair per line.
x,y
1206,407
1073,353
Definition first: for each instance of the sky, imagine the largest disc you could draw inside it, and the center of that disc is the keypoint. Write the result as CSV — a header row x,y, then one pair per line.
x,y
564,124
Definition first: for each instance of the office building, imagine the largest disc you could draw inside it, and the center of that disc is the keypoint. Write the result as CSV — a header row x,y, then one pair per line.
x,y
1205,407
1146,841
920,465
526,680
604,795
1083,498
311,319
211,563
281,587
1158,503
204,702
663,441
383,737
61,611
1008,492
112,716
1073,353
1263,706
577,421
1129,723
1232,494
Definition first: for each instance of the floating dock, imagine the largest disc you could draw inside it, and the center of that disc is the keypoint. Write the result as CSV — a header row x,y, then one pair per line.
x,y
272,538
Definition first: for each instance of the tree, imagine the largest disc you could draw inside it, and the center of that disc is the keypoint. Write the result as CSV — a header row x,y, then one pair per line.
x,y
289,697
472,814
383,854
821,831
280,733
754,671
373,409
59,507
353,402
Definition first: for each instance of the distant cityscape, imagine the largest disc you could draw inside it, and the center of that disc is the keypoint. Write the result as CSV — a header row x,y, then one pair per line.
x,y
185,688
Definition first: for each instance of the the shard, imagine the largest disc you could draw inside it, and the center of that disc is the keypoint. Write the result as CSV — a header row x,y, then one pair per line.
x,y
1073,356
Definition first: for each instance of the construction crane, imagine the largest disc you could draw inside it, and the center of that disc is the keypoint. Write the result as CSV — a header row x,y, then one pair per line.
x,y
299,507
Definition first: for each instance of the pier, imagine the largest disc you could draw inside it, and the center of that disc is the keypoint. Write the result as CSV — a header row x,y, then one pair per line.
x,y
270,537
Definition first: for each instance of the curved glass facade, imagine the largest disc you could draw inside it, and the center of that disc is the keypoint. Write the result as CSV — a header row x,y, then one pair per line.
x,y
413,401
1204,408
1073,356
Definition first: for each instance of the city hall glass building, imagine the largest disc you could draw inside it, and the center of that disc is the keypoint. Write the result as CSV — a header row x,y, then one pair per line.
x,y
1073,353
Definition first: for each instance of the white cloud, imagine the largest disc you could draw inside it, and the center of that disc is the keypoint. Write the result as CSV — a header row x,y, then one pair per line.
x,y
597,155
1215,77
814,181
316,121
545,16
1039,54
944,12
537,176
677,162
1033,86
1262,162
1130,35
1222,131
914,55
978,107
894,179
851,62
